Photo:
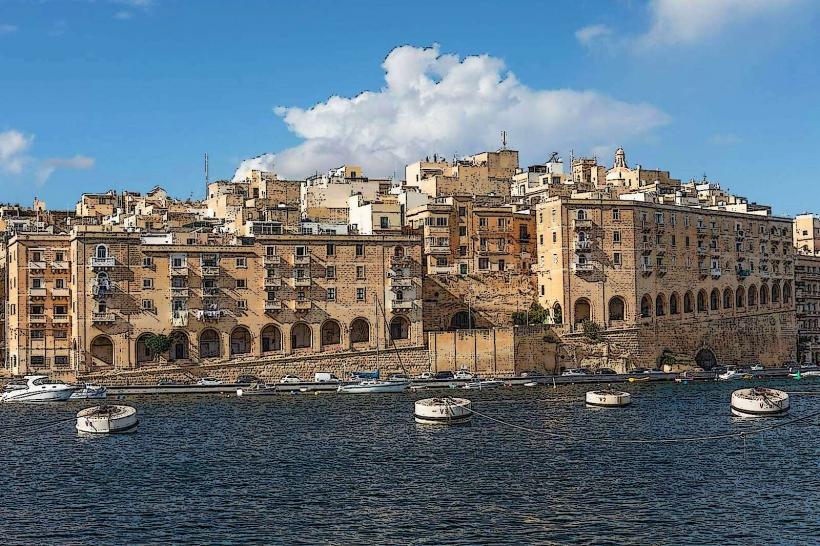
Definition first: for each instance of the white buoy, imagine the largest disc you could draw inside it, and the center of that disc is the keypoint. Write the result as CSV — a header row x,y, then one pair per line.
x,y
443,411
608,399
759,402
108,419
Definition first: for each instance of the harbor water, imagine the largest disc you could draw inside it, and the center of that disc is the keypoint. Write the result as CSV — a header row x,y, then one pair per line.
x,y
336,469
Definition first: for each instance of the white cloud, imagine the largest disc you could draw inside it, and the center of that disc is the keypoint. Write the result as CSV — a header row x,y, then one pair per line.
x,y
7,29
264,162
123,15
13,148
47,167
676,22
434,103
724,139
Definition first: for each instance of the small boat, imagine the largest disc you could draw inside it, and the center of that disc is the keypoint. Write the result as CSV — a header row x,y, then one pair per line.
x,y
531,384
108,419
636,379
90,392
373,386
812,373
729,374
208,382
756,368
257,389
482,384
39,388
443,411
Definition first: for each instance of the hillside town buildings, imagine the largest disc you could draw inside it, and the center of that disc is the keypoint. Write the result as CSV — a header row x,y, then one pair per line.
x,y
264,269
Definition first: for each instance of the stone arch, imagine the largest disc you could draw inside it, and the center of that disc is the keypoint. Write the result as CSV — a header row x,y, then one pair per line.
x,y
101,251
301,336
359,330
462,320
399,328
581,214
674,306
714,300
102,352
330,333
740,297
646,306
728,298
764,294
617,308
787,292
582,310
702,301
775,295
180,348
751,297
660,305
687,303
142,352
706,359
209,344
271,339
241,341
557,314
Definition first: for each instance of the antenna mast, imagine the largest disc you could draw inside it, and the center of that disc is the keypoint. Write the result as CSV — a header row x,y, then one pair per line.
x,y
503,140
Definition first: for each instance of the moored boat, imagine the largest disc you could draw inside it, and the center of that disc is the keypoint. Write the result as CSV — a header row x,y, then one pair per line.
x,y
443,411
90,392
483,384
729,374
39,388
257,389
373,387
108,419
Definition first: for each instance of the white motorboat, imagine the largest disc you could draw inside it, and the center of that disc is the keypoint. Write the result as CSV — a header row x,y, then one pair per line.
x,y
756,368
257,389
374,386
482,384
39,388
812,373
90,392
107,420
729,374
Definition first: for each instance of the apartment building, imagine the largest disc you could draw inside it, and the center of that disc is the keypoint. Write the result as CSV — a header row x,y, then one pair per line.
x,y
807,298
487,173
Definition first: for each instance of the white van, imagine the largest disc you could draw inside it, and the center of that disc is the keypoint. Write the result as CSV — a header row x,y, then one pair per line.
x,y
324,377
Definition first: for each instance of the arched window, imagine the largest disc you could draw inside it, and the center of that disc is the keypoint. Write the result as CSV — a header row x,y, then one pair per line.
x,y
301,336
764,294
582,236
209,344
144,354
660,305
398,251
359,331
740,296
617,308
399,328
727,298
179,346
557,314
240,341
462,320
583,310
787,292
271,337
701,301
582,214
673,304
101,251
331,333
102,352
752,297
687,303
646,306
775,293
714,300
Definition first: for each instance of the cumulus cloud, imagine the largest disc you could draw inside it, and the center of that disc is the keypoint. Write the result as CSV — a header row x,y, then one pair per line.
x,y
15,158
673,22
433,103
264,162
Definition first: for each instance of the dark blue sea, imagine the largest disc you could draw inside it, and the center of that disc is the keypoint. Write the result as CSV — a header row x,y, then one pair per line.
x,y
345,469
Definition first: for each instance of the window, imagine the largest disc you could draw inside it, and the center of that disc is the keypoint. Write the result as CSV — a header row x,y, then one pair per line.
x,y
331,294
330,249
384,222
101,251
36,282
330,272
441,221
442,262
147,283
38,360
462,269
554,237
241,304
616,236
462,211
36,334
60,310
147,261
502,265
462,231
241,283
616,258
361,293
59,283
484,263
482,222
616,214
360,272
241,261
270,251
177,261
36,256
359,250
61,360
147,305
60,334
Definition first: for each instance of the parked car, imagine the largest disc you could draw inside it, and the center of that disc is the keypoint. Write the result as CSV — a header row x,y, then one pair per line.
x,y
208,382
462,374
573,371
398,377
247,379
169,382
529,373
425,375
638,370
443,375
324,377
605,371
290,379
654,370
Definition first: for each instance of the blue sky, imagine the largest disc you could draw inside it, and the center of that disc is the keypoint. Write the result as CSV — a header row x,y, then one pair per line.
x,y
131,93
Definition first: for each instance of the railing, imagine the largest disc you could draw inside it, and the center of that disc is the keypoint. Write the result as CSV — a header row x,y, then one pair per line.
x,y
438,249
179,318
661,270
301,260
101,262
646,268
716,272
582,224
271,260
37,318
301,305
209,314
36,265
37,292
210,270
179,291
60,293
273,281
661,249
103,317
210,291
59,265
582,246
178,270
401,282
402,304
60,318
273,305
301,281
583,267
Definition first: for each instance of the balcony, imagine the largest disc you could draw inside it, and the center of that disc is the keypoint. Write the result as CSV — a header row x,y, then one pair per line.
x,y
301,305
209,314
400,261
37,318
179,270
582,224
210,290
36,265
273,282
582,246
401,282
179,291
440,270
60,319
301,281
210,270
102,287
661,270
103,317
660,249
764,274
715,272
702,251
743,273
62,264
402,305
37,292
646,248
60,293
270,260
273,305
704,271
301,260
100,263
701,230
179,318
438,249
646,269
580,268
